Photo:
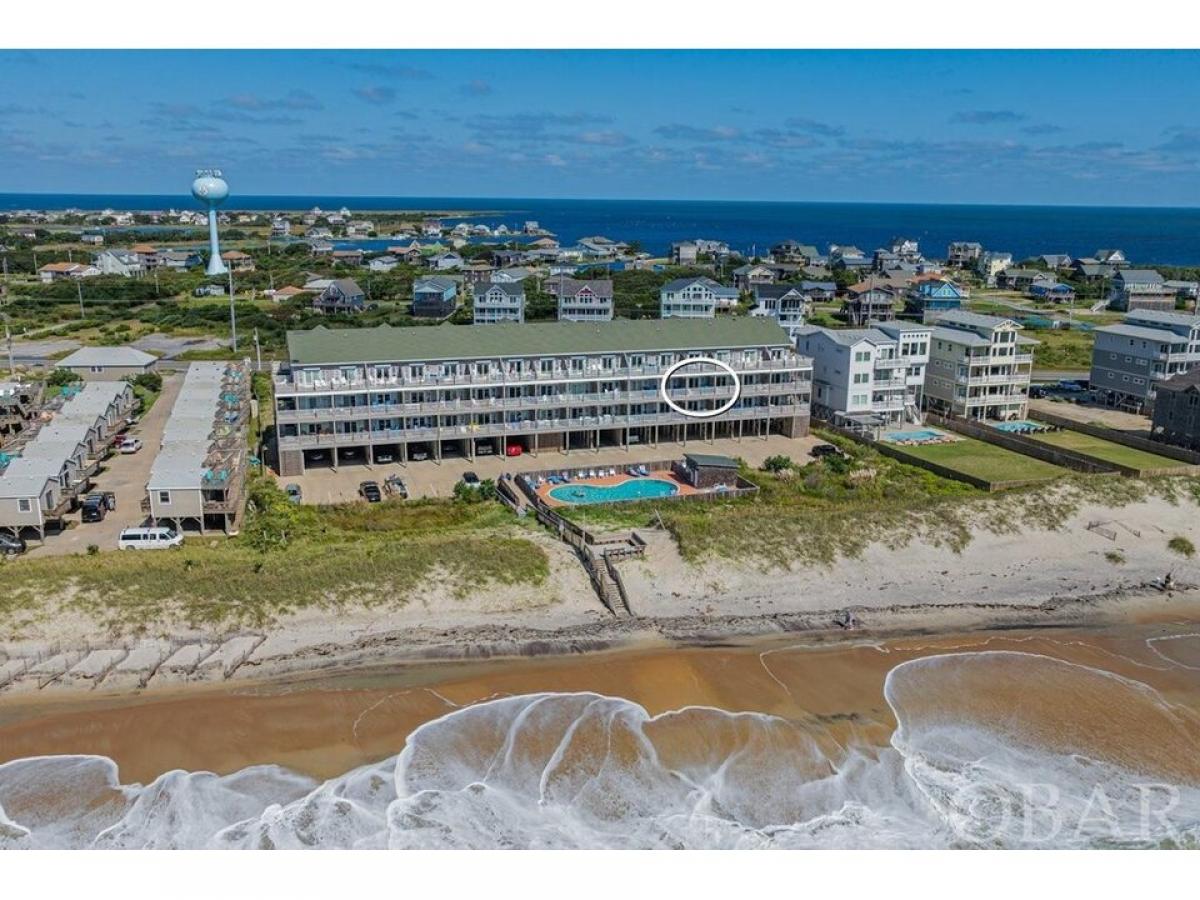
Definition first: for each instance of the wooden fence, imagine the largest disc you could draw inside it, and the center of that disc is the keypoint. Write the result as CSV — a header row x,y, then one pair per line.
x,y
1019,443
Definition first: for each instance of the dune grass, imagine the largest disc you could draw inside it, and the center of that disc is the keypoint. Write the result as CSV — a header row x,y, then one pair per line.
x,y
287,558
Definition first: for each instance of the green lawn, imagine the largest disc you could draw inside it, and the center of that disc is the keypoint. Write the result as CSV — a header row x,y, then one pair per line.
x,y
1108,451
986,461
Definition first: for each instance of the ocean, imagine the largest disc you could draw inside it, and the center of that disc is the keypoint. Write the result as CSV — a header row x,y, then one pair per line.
x,y
1025,739
1166,236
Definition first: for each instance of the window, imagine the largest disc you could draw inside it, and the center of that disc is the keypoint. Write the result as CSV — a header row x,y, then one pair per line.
x,y
24,505
164,497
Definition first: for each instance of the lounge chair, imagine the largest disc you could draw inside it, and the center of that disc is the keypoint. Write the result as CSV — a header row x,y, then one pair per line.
x,y
611,472
642,470
565,476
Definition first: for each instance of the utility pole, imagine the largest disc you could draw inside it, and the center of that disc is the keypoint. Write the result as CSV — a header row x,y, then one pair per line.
x,y
156,281
79,290
232,313
12,366
257,353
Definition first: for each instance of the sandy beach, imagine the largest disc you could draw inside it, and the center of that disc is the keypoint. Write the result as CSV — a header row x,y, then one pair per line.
x,y
1066,576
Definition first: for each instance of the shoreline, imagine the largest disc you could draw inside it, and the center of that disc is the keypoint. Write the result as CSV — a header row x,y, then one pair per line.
x,y
1005,578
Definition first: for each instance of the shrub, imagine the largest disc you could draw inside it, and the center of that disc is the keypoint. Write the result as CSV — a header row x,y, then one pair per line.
x,y
1182,546
1116,557
61,378
149,381
777,464
92,549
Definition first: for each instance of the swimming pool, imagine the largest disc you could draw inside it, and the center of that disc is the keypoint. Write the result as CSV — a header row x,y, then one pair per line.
x,y
1020,427
921,436
633,489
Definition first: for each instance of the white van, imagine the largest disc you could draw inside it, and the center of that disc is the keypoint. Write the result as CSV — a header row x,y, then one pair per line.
x,y
149,539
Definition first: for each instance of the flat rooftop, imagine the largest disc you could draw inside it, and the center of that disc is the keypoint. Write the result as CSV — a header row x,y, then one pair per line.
x,y
384,343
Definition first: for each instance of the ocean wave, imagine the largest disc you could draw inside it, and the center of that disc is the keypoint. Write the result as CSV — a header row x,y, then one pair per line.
x,y
991,749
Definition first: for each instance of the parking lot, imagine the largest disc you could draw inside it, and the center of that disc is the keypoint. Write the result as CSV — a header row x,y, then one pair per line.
x,y
123,474
433,479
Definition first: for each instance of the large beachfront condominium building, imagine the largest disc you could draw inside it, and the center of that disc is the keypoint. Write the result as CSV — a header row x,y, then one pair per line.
x,y
425,393
867,377
979,367
1130,359
499,301
695,298
582,301
199,474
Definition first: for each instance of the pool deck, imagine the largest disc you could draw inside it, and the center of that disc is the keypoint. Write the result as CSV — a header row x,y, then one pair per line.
x,y
543,491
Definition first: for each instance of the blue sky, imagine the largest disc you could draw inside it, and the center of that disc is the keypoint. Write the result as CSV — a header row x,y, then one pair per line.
x,y
1100,128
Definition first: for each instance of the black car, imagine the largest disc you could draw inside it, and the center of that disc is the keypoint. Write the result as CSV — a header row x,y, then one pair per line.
x,y
370,491
94,508
11,545
822,450
470,479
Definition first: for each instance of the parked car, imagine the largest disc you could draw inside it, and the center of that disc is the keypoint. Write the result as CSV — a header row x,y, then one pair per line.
x,y
293,493
470,479
93,509
11,544
127,444
820,451
394,484
420,455
514,450
370,491
385,456
149,539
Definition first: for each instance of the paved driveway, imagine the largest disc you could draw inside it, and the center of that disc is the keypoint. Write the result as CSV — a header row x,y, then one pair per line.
x,y
431,479
124,475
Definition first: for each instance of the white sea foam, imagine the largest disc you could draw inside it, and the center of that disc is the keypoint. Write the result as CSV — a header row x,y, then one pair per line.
x,y
585,770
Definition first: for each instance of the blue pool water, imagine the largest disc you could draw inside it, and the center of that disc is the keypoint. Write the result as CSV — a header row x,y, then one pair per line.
x,y
633,489
925,434
1020,427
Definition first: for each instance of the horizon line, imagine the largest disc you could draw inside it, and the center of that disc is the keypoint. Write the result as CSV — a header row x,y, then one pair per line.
x,y
1012,205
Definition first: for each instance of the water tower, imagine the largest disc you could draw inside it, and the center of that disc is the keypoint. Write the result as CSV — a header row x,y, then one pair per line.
x,y
211,190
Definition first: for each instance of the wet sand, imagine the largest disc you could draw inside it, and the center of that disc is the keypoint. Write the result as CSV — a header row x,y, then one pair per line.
x,y
324,725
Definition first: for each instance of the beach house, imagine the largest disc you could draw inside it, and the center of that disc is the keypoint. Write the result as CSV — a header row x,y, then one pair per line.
x,y
867,378
582,301
1131,359
1140,289
979,367
498,301
108,363
933,297
1177,411
434,297
342,295
424,393
695,298
787,304
867,301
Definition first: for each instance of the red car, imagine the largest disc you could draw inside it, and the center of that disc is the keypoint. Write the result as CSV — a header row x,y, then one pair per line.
x,y
513,450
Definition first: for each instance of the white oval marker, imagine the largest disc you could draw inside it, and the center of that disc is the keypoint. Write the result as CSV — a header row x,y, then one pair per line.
x,y
700,413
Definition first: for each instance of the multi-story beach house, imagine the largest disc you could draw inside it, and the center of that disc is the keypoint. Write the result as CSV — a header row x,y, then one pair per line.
x,y
979,367
119,262
867,301
499,301
695,298
1140,289
745,277
787,304
425,393
582,301
434,297
867,378
1177,411
963,254
989,265
1132,358
934,297
199,474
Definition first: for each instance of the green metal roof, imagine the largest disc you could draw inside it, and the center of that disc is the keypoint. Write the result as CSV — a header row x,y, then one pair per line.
x,y
384,343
